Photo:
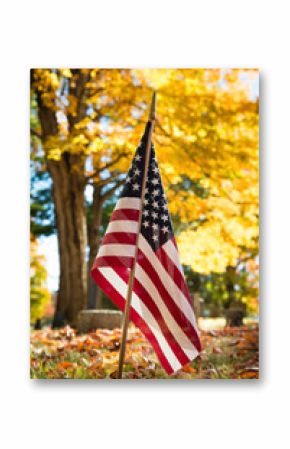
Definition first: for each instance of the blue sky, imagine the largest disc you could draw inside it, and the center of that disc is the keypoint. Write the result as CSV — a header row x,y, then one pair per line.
x,y
48,247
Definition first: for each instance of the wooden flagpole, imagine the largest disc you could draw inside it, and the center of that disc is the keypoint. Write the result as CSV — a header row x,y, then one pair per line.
x,y
151,120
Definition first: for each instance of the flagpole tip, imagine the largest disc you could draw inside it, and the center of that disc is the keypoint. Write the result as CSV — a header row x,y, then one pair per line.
x,y
152,112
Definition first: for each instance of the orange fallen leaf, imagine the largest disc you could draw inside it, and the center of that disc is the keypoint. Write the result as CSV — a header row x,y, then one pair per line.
x,y
189,369
65,365
251,338
249,375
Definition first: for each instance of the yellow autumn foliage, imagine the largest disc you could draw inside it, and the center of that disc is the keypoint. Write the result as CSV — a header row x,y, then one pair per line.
x,y
39,294
206,140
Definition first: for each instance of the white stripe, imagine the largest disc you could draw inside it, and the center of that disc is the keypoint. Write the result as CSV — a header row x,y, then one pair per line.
x,y
115,249
128,203
174,328
167,281
172,253
122,226
142,310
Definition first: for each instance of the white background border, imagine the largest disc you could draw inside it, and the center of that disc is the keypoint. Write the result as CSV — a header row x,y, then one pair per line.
x,y
151,414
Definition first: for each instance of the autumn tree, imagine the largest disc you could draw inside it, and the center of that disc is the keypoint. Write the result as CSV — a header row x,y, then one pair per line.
x,y
85,133
209,130
39,294
219,290
87,125
207,146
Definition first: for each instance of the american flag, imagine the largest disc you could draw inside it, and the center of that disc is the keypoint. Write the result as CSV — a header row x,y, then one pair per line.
x,y
161,305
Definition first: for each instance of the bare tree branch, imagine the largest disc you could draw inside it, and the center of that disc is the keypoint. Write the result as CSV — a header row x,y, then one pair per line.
x,y
105,167
110,192
35,133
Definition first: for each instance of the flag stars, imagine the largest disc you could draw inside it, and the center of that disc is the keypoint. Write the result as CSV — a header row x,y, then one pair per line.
x,y
156,226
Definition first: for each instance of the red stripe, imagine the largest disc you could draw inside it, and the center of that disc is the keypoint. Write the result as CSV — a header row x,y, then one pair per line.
x,y
113,261
125,214
119,237
115,296
173,272
151,305
176,312
174,242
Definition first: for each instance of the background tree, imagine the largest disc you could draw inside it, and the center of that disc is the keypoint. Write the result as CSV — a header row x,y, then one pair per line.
x,y
207,145
39,294
219,291
75,114
86,125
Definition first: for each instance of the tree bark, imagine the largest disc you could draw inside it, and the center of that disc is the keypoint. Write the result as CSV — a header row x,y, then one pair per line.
x,y
99,197
235,309
230,275
68,177
68,190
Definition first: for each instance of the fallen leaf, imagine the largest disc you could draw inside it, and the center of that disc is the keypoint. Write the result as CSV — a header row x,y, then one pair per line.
x,y
189,369
65,365
250,374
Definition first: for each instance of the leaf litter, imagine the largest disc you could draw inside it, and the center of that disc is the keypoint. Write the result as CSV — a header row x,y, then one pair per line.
x,y
228,353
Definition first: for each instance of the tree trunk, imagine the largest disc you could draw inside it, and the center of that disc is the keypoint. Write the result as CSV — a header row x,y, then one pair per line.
x,y
235,309
94,241
230,282
37,325
68,190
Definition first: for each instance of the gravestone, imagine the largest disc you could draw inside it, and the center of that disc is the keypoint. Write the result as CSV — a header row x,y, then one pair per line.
x,y
90,320
236,313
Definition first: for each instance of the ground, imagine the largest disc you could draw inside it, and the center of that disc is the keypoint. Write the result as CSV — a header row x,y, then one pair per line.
x,y
228,353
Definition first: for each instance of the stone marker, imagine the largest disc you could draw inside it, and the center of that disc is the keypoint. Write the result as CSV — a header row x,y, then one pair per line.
x,y
235,314
99,319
